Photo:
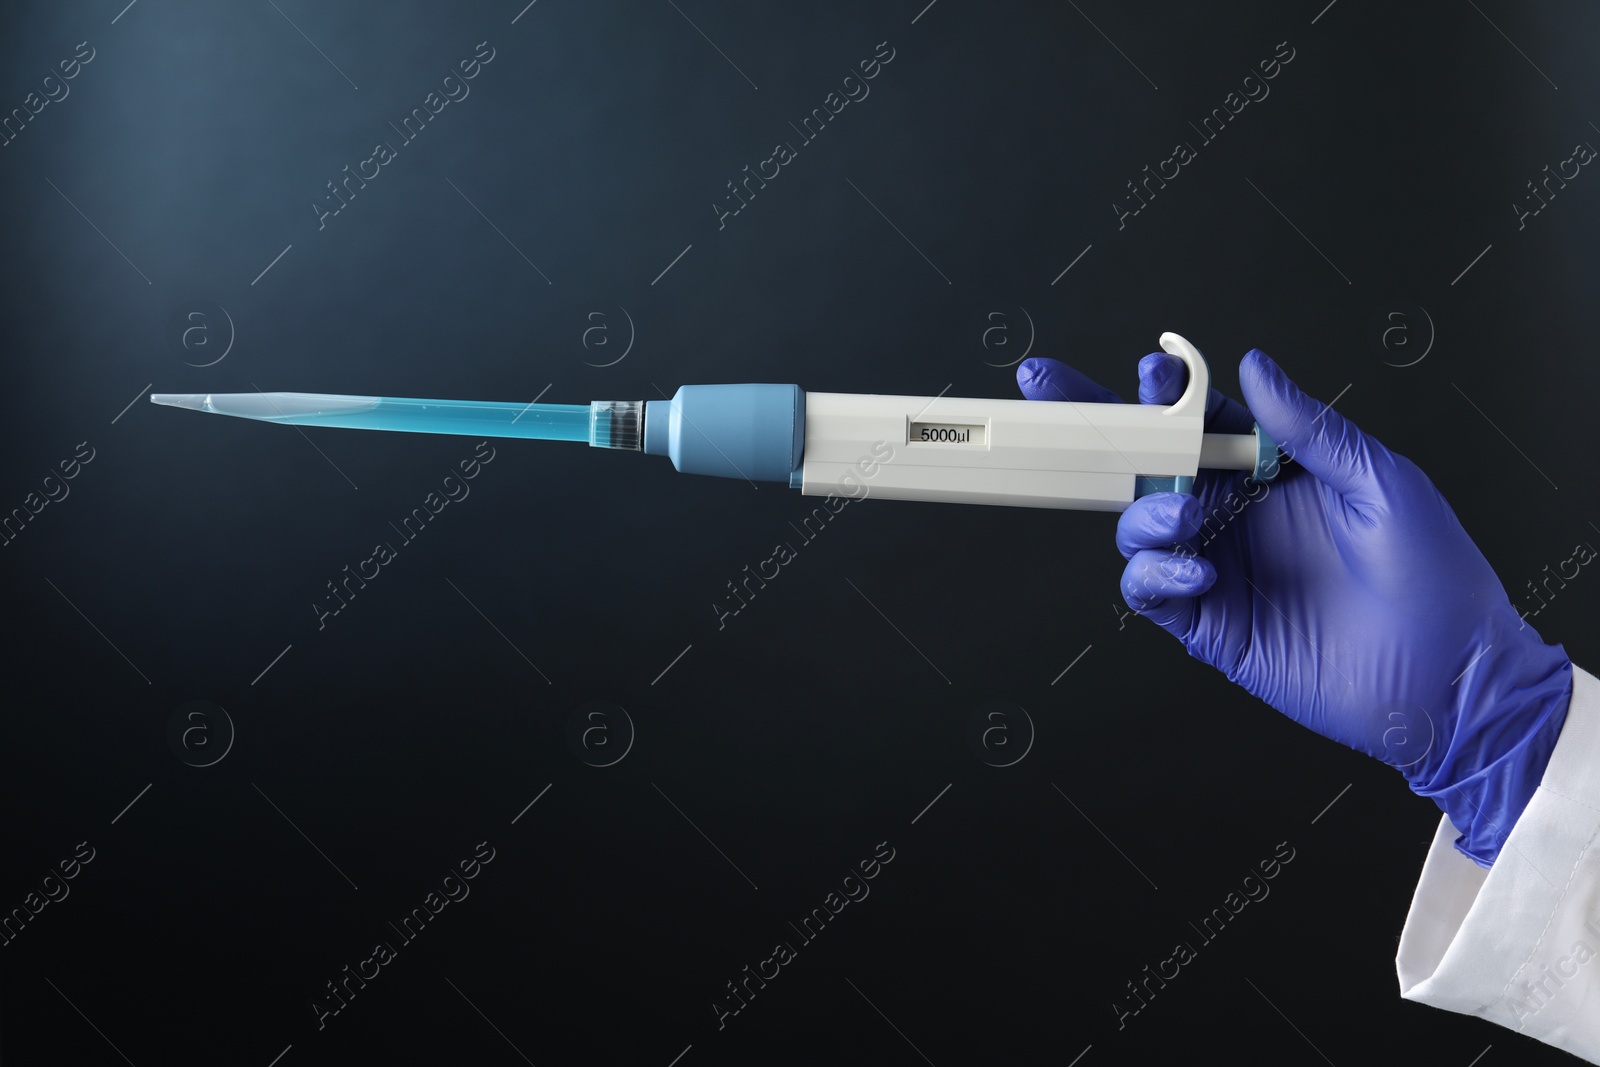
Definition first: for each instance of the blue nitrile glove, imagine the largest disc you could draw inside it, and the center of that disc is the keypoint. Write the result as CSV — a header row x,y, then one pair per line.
x,y
1345,594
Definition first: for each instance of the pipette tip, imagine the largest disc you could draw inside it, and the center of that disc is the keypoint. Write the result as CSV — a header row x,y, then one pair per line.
x,y
192,401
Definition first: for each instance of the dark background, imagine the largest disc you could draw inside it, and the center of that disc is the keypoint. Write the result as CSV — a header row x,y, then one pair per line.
x,y
823,719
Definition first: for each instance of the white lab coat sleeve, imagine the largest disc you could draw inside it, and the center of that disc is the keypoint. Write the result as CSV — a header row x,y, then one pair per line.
x,y
1519,944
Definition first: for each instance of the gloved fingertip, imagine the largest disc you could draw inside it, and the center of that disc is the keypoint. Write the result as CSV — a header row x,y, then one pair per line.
x,y
1203,575
1320,439
1042,378
1161,378
1187,576
1185,510
1262,372
1031,374
1272,397
1154,576
1179,513
1162,586
1158,521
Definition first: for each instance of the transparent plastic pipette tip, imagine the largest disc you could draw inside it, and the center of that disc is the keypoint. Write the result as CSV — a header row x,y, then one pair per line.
x,y
617,424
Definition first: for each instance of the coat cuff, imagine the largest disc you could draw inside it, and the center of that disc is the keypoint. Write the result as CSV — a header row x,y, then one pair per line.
x,y
1517,944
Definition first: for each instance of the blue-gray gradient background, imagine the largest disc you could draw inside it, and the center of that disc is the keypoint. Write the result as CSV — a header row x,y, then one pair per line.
x,y
917,244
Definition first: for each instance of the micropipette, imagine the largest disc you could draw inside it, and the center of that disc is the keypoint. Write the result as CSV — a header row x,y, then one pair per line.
x,y
1025,453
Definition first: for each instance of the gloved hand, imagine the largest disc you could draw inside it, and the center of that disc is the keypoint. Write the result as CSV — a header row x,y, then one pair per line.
x,y
1345,594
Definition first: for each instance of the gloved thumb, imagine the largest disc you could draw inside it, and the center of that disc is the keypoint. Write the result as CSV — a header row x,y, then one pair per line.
x,y
1310,432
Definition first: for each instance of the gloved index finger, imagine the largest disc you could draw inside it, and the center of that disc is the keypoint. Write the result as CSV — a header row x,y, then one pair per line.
x,y
1051,379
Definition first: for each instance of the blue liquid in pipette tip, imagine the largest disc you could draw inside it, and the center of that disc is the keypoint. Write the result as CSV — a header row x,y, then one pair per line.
x,y
543,422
